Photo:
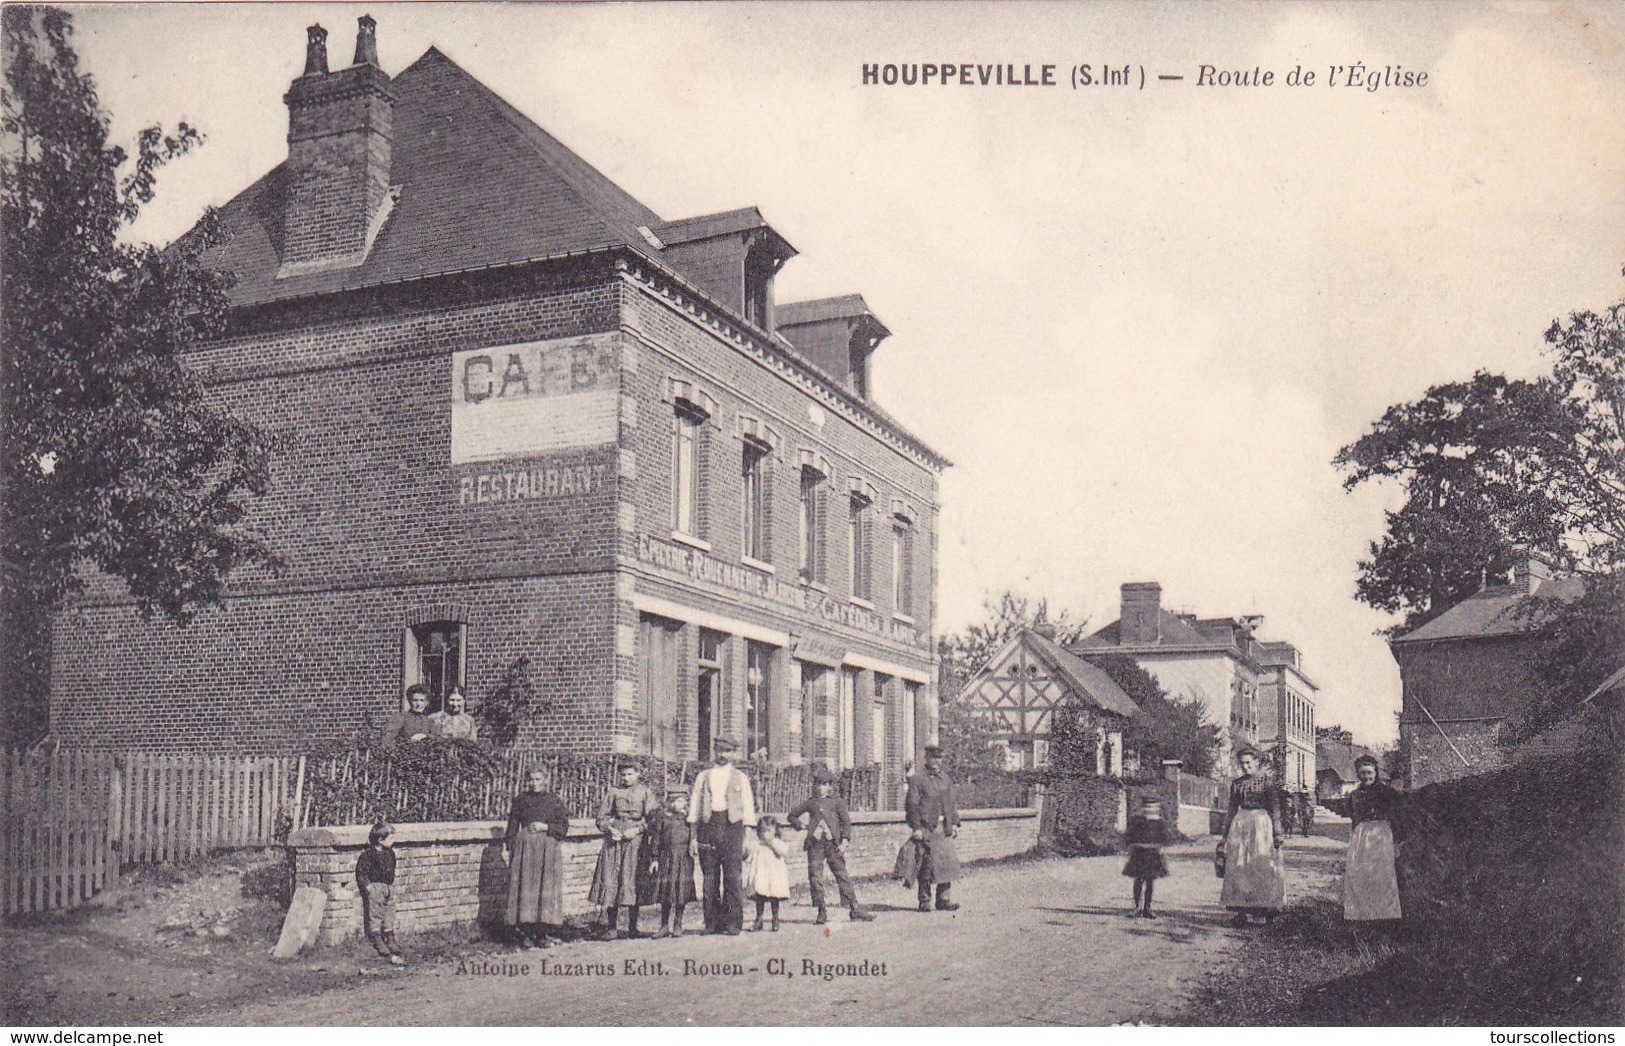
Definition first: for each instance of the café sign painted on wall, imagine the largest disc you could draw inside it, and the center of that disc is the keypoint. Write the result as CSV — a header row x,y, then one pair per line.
x,y
516,401
696,565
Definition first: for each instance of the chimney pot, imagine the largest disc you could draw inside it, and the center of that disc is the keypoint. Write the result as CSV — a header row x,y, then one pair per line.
x,y
315,51
366,41
1140,620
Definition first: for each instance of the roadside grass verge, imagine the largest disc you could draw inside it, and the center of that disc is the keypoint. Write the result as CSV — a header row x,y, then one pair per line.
x,y
1513,885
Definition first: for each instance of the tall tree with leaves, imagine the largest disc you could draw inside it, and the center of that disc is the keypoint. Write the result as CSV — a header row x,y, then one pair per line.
x,y
1493,466
1168,727
111,456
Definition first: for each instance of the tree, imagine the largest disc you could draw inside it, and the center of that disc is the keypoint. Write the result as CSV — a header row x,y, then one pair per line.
x,y
111,458
962,654
1169,727
1335,734
1492,467
1487,465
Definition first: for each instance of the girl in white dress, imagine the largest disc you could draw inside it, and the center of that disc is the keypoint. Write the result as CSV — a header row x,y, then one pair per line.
x,y
766,874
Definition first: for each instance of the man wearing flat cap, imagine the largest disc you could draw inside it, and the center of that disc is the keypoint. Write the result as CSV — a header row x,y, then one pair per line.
x,y
721,809
828,828
933,817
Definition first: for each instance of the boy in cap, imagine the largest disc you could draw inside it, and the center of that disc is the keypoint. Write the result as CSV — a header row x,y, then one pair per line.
x,y
375,875
829,829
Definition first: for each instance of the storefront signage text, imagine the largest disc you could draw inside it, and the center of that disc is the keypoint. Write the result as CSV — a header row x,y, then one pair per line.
x,y
696,565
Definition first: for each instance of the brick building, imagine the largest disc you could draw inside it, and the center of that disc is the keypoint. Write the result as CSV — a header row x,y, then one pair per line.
x,y
1464,672
519,415
1256,692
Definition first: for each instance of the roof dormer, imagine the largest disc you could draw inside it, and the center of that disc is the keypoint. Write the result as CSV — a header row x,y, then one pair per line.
x,y
732,256
837,335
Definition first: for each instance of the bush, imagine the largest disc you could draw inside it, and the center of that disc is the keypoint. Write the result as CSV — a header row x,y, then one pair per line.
x,y
362,781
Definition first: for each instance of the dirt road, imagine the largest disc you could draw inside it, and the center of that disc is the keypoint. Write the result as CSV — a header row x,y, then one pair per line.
x,y
1040,942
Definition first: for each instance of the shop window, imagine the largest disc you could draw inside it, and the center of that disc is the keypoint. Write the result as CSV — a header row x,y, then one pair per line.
x,y
846,719
758,699
911,743
660,674
708,692
817,735
877,732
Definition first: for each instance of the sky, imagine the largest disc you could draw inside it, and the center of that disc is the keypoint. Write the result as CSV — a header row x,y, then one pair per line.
x,y
1140,322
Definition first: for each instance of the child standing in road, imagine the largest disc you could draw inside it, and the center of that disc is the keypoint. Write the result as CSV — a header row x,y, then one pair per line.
x,y
1147,834
765,871
668,877
375,875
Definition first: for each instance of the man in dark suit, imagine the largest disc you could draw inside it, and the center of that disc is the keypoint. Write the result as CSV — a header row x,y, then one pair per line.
x,y
933,818
829,829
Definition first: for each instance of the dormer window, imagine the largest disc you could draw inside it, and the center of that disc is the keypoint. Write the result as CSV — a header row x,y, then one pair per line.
x,y
760,265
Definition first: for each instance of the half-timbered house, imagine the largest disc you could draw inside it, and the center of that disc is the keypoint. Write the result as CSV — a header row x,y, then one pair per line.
x,y
1022,685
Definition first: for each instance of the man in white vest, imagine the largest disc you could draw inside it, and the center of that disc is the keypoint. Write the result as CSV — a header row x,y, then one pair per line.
x,y
722,808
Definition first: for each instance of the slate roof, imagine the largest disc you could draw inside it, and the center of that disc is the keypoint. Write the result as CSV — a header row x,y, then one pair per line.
x,y
1493,612
1085,680
481,185
1339,758
1176,632
686,230
845,306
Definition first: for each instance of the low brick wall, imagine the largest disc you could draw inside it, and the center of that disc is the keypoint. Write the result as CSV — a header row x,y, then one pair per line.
x,y
452,874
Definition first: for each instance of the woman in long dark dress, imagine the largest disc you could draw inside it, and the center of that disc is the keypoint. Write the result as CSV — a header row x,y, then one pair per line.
x,y
1254,875
538,822
622,818
1370,887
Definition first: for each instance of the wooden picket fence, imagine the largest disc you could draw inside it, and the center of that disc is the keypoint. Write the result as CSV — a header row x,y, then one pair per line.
x,y
73,818
176,808
56,846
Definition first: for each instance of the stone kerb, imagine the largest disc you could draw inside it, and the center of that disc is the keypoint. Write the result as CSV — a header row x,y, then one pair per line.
x,y
452,873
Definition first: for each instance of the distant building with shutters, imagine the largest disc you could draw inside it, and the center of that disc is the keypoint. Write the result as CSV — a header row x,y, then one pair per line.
x,y
519,415
1256,692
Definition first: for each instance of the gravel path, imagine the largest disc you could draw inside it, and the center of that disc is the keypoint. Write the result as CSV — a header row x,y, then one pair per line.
x,y
1035,943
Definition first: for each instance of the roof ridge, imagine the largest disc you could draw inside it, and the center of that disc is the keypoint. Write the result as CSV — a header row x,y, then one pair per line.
x,y
597,191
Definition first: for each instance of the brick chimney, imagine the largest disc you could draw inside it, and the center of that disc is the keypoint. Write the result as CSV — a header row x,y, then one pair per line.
x,y
1140,620
1531,571
339,144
